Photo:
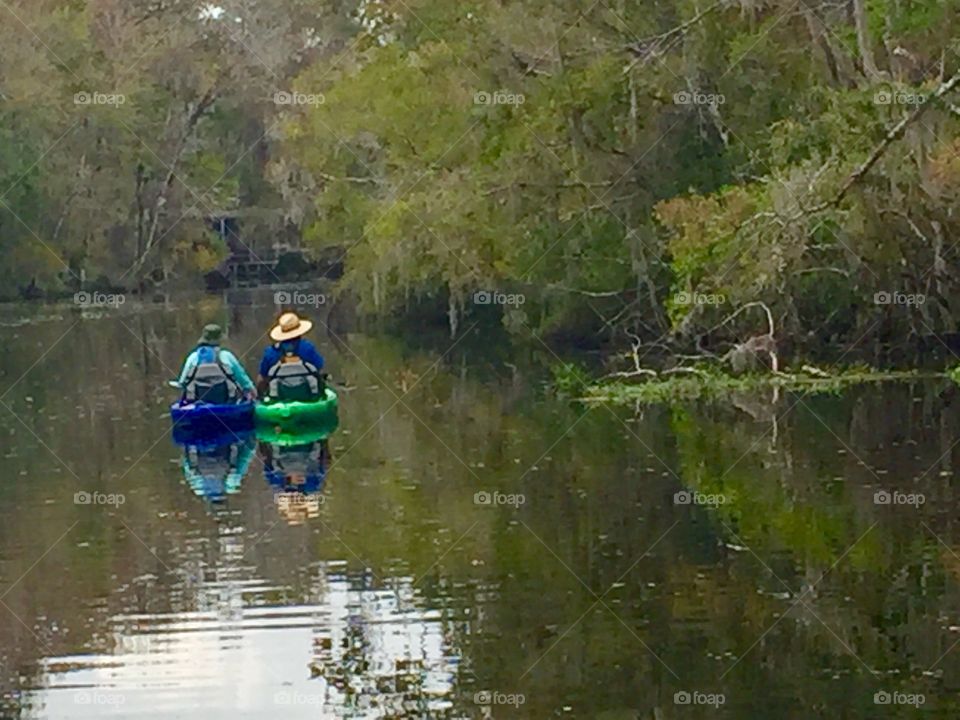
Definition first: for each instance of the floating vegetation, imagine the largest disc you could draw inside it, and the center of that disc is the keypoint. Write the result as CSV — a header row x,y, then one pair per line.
x,y
709,383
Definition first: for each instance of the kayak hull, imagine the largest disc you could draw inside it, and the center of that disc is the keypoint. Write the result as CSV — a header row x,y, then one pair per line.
x,y
211,419
290,438
316,420
210,438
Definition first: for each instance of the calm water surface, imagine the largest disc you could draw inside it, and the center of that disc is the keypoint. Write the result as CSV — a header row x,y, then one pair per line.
x,y
473,548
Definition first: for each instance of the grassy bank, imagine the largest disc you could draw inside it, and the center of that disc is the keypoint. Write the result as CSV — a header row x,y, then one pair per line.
x,y
706,384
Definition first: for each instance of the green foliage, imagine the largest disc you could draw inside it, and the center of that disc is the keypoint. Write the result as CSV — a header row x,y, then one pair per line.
x,y
568,379
601,159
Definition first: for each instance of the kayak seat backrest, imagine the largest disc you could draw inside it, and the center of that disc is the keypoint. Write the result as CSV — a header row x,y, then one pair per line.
x,y
294,380
215,463
210,382
210,385
296,460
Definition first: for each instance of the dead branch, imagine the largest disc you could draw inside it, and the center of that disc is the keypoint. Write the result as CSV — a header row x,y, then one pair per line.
x,y
654,45
739,355
893,134
685,370
588,293
757,303
350,179
913,225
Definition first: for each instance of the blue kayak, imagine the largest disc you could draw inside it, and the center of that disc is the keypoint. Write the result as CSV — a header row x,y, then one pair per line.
x,y
201,417
209,438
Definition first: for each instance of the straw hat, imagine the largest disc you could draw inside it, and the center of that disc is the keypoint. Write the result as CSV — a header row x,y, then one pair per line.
x,y
290,326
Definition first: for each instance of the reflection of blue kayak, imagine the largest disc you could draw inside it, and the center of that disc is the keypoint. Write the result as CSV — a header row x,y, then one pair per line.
x,y
201,416
214,467
208,437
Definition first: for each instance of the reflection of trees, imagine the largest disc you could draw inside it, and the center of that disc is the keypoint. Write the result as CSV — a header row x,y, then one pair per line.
x,y
380,654
703,599
371,653
800,507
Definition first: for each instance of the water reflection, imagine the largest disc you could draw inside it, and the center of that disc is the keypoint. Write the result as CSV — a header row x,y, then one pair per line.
x,y
215,466
297,472
738,547
346,650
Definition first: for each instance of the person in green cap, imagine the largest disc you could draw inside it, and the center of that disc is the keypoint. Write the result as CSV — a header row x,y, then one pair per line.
x,y
213,374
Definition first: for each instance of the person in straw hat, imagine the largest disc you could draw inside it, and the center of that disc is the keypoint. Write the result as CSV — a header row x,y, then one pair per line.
x,y
291,368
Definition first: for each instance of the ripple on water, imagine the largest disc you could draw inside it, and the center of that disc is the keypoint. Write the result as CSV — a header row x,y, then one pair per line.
x,y
347,651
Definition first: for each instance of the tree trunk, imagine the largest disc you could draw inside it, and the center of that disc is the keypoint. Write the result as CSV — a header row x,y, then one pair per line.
x,y
863,41
141,208
190,125
818,36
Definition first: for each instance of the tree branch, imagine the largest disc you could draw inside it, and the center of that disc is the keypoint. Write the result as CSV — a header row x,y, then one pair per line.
x,y
892,135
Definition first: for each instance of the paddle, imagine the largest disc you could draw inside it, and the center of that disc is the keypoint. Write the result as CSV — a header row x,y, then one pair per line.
x,y
176,384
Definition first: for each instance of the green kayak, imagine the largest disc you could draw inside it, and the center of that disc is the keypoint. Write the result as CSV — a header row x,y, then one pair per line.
x,y
311,418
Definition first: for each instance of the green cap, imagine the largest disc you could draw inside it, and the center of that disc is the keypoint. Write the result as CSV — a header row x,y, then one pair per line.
x,y
211,334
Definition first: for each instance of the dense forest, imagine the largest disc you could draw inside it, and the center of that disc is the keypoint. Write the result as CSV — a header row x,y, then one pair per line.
x,y
688,174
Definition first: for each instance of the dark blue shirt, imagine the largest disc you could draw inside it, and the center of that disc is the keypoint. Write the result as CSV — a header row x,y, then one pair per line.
x,y
300,346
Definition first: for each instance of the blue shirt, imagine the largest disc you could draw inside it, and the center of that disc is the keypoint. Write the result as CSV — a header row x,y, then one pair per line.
x,y
227,359
300,346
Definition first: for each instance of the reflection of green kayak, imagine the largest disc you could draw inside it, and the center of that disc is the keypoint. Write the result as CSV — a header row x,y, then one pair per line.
x,y
308,418
278,436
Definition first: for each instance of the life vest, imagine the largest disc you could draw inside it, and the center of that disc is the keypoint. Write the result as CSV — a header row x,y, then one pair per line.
x,y
293,379
210,381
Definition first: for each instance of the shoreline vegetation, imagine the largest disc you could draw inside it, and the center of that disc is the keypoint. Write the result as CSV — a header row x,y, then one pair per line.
x,y
759,185
709,384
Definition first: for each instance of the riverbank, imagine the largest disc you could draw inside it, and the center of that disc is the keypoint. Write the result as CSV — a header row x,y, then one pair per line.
x,y
703,384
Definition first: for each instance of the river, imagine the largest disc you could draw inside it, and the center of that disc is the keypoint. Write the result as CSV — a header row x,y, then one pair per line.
x,y
475,546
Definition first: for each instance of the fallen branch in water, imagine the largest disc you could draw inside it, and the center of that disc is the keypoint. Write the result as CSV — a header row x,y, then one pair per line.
x,y
350,179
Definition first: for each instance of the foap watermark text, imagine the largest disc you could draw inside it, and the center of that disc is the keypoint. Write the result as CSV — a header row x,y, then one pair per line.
x,y
98,498
98,697
685,497
486,297
698,298
882,697
695,697
883,497
494,697
99,299
485,497
498,97
899,298
282,97
898,97
698,98
98,98
299,298
292,697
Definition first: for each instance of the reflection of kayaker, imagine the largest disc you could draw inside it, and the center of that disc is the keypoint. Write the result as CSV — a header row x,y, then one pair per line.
x,y
291,368
214,471
297,474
